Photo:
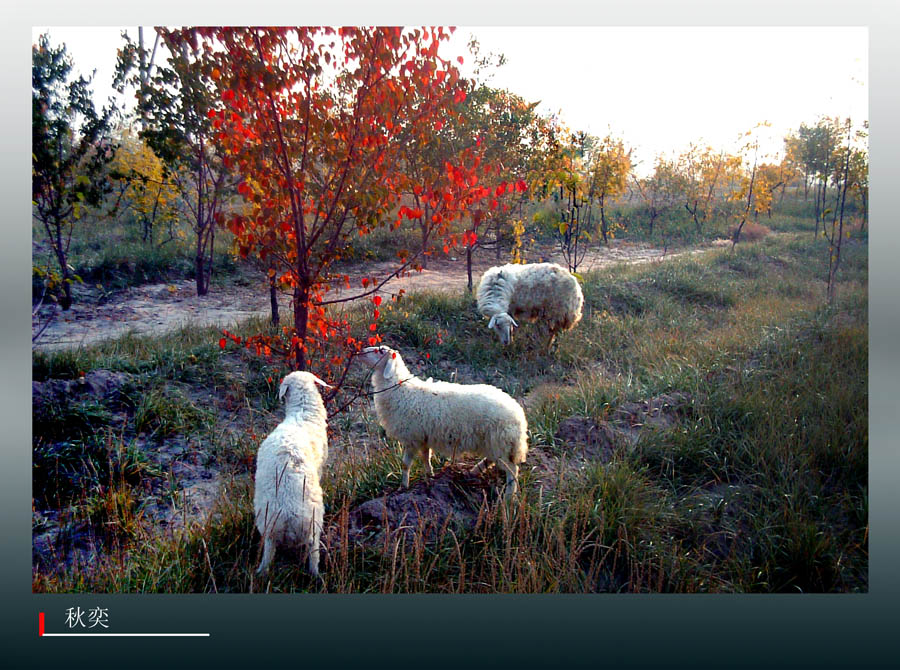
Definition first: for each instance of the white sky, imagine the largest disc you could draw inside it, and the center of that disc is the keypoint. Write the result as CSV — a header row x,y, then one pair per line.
x,y
659,88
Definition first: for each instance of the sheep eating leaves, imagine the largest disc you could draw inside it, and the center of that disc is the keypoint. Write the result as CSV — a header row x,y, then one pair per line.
x,y
448,418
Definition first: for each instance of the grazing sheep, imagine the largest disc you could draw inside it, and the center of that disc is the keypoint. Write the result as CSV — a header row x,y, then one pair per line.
x,y
287,500
448,418
536,291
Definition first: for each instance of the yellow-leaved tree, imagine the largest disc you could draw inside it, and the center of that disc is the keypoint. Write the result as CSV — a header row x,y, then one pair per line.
x,y
754,186
704,172
144,188
608,169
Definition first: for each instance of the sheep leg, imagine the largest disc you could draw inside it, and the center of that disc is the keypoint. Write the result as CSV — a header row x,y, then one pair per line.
x,y
512,474
268,554
426,455
314,536
408,457
314,558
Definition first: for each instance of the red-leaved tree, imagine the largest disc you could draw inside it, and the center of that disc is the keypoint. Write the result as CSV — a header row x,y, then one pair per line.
x,y
318,122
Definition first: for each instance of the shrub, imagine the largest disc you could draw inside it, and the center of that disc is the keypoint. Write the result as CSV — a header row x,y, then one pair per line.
x,y
751,232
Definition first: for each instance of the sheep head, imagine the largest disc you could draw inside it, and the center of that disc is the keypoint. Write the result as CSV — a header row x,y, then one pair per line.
x,y
503,324
298,383
383,358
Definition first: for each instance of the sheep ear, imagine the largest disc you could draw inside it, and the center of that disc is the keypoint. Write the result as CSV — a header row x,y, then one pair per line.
x,y
282,391
492,321
516,325
390,366
320,382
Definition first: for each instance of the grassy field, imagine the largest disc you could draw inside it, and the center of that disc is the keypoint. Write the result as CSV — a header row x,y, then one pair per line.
x,y
751,478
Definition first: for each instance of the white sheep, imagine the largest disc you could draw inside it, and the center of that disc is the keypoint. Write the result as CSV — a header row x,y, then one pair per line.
x,y
287,500
536,291
449,418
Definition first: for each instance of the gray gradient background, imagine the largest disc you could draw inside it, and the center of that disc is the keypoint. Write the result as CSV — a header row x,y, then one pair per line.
x,y
816,631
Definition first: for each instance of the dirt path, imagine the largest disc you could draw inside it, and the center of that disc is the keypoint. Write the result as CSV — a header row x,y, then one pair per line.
x,y
160,308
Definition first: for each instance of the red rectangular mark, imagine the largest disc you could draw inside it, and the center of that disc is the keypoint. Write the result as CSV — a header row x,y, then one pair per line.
x,y
40,624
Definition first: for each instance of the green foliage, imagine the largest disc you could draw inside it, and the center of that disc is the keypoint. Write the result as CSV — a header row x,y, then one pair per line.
x,y
77,420
174,104
68,159
70,151
164,411
173,100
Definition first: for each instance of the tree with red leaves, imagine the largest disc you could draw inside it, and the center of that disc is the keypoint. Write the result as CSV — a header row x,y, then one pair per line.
x,y
488,143
319,123
506,121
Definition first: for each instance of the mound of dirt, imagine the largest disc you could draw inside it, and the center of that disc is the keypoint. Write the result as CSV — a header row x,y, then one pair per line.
x,y
191,487
587,439
99,385
450,499
599,440
658,413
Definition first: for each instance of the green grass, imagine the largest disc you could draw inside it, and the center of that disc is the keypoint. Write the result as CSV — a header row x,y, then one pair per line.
x,y
167,411
111,254
760,485
64,470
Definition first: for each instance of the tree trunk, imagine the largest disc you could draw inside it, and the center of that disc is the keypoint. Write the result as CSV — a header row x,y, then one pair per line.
x,y
865,212
144,68
576,229
469,265
142,73
835,254
693,213
210,251
301,322
203,273
816,234
824,191
603,227
66,301
423,225
200,272
273,301
202,222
